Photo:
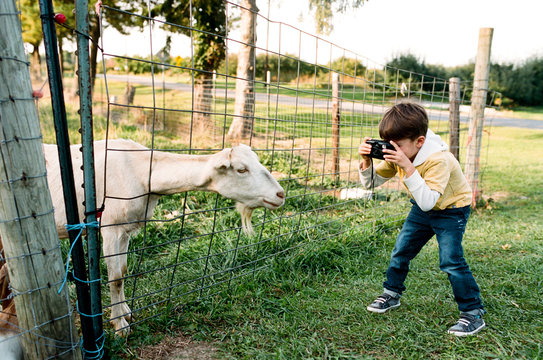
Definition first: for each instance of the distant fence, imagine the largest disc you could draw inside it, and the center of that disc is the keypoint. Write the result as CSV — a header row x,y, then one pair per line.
x,y
304,116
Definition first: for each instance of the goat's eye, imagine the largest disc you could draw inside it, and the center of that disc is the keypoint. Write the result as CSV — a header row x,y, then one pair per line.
x,y
243,170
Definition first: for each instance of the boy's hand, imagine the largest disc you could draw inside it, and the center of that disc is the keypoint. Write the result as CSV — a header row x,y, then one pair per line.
x,y
399,158
364,150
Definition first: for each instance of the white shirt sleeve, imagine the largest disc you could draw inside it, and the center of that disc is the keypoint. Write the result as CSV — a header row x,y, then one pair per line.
x,y
425,197
366,178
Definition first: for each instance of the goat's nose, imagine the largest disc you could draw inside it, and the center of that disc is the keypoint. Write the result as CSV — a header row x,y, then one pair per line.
x,y
281,194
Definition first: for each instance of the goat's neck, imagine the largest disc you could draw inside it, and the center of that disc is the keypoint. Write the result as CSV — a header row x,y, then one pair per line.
x,y
174,173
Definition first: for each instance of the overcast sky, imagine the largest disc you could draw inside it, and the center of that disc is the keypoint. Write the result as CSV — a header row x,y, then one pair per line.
x,y
437,31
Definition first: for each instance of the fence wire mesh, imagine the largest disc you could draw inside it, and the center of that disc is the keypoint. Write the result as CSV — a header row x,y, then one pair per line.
x,y
304,119
193,246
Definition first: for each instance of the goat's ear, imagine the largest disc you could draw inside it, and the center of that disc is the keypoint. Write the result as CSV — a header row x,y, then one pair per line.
x,y
222,160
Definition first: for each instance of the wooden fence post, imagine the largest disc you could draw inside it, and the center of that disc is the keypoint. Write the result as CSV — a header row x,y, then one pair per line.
x,y
454,116
478,104
27,223
335,125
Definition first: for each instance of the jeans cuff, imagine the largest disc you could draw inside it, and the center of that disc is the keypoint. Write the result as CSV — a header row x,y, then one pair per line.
x,y
476,312
391,293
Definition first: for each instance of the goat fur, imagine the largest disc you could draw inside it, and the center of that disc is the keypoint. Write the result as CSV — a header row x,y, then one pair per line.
x,y
10,342
235,173
10,346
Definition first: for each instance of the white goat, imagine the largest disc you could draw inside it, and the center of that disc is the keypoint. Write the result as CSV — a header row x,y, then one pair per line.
x,y
10,346
234,173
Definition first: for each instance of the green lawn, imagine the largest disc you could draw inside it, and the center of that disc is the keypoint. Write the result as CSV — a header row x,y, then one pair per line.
x,y
532,113
310,303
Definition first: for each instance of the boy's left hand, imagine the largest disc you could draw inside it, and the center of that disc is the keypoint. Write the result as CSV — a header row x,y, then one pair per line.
x,y
399,158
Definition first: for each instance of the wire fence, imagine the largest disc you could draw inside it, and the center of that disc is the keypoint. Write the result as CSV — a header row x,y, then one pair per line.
x,y
193,246
309,105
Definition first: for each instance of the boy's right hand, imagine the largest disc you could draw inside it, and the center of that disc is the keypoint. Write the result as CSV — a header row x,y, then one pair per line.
x,y
364,150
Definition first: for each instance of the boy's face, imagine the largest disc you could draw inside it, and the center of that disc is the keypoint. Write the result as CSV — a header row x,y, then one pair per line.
x,y
411,147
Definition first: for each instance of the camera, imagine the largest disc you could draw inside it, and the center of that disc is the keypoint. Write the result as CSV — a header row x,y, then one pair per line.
x,y
377,147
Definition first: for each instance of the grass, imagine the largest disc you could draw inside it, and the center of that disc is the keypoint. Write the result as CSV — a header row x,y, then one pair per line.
x,y
522,112
310,303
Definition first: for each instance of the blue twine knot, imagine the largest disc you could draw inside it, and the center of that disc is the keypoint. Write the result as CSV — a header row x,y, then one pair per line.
x,y
79,227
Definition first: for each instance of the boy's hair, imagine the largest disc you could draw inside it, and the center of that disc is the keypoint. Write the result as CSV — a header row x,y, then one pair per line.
x,y
402,121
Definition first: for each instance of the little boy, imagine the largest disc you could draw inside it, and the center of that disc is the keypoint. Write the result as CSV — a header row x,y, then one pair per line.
x,y
441,199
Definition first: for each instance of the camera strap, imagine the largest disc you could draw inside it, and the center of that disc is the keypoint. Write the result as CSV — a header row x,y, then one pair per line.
x,y
372,178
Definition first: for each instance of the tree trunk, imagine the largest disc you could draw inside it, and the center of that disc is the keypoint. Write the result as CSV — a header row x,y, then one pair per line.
x,y
35,63
202,102
27,224
242,125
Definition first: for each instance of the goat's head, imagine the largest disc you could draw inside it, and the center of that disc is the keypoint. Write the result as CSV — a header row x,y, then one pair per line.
x,y
239,175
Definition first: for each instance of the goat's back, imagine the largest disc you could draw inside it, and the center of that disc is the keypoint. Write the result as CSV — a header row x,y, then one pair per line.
x,y
127,169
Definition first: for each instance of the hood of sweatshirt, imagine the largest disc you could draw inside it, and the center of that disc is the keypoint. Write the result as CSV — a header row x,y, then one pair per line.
x,y
432,144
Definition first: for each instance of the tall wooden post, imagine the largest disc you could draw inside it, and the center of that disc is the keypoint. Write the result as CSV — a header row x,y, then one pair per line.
x,y
478,103
27,223
454,116
335,125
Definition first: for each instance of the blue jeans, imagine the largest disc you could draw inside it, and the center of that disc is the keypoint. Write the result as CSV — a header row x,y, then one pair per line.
x,y
448,225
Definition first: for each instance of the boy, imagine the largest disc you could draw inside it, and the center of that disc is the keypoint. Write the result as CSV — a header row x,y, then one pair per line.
x,y
441,199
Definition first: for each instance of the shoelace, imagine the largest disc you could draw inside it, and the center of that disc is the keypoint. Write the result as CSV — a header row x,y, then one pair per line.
x,y
383,298
466,320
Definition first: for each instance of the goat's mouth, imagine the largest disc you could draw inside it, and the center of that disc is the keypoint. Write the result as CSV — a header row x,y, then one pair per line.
x,y
272,205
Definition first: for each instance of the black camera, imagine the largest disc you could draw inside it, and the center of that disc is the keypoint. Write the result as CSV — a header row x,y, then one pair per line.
x,y
377,147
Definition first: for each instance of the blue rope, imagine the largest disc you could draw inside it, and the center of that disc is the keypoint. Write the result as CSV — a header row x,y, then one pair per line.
x,y
79,227
83,314
87,354
96,354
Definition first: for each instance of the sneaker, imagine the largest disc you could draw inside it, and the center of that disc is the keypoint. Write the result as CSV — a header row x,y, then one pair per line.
x,y
383,303
468,324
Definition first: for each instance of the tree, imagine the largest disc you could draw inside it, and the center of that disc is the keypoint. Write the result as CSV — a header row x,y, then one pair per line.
x,y
32,33
242,124
208,32
525,83
325,9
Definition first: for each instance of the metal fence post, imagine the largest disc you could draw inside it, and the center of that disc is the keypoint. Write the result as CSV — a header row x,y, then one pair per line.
x,y
68,186
91,211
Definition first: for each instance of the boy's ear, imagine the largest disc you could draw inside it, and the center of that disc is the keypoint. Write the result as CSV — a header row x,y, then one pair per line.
x,y
420,141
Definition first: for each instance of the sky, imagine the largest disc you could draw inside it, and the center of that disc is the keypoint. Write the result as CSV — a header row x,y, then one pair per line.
x,y
436,31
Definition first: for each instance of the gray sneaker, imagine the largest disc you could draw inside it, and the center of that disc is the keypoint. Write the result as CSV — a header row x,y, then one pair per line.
x,y
383,303
468,324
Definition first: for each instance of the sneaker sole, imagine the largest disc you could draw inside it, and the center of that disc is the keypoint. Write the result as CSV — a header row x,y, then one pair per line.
x,y
380,311
459,333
